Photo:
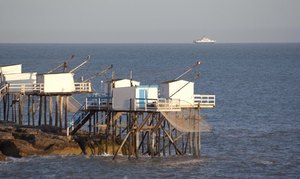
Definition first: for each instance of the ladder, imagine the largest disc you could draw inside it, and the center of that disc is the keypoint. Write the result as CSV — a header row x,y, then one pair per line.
x,y
79,119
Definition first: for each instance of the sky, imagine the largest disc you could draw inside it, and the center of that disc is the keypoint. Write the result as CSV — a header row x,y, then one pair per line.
x,y
149,21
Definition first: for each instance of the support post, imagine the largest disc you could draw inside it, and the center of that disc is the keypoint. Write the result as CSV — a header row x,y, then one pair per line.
x,y
4,107
40,110
66,111
137,140
50,110
60,111
45,110
28,110
33,112
152,143
56,110
21,109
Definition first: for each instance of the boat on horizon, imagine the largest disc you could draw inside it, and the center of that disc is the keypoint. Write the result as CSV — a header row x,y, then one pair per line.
x,y
204,40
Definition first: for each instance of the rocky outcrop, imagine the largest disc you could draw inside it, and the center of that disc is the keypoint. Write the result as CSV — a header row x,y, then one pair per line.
x,y
21,142
16,141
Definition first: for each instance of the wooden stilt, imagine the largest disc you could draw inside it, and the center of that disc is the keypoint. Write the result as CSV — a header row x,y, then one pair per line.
x,y
199,143
170,133
90,126
190,142
194,144
182,143
137,139
50,110
21,110
107,131
33,112
176,136
56,110
158,141
94,124
8,106
113,137
13,110
149,137
60,111
4,107
66,111
28,110
152,143
40,110
164,140
45,110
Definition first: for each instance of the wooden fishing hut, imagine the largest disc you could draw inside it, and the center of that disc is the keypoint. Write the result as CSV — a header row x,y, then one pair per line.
x,y
48,96
155,120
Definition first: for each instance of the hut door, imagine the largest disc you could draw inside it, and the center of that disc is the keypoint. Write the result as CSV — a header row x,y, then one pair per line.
x,y
143,97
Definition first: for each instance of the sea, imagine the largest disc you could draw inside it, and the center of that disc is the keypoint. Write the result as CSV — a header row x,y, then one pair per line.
x,y
255,124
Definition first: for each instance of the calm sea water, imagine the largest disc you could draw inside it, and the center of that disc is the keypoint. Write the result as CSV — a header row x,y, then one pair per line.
x,y
256,123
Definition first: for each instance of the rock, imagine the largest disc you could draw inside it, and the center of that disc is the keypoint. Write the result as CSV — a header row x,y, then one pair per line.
x,y
2,157
6,135
32,131
17,148
27,137
19,142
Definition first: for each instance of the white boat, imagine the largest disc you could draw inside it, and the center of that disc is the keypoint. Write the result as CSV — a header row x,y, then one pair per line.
x,y
204,40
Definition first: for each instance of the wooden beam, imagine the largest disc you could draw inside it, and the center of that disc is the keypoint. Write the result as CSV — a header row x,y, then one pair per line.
x,y
122,144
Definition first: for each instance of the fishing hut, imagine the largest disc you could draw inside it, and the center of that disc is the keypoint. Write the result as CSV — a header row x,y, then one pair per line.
x,y
155,120
40,99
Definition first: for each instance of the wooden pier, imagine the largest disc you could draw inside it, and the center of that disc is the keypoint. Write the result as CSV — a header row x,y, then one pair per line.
x,y
129,119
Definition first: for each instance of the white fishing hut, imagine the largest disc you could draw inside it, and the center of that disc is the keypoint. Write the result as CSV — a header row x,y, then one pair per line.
x,y
16,81
20,82
57,83
118,83
141,97
8,69
181,90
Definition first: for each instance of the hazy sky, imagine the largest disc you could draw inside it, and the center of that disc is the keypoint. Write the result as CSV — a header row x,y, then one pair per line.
x,y
148,21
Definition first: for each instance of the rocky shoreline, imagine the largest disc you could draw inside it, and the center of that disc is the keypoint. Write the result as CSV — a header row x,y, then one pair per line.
x,y
16,141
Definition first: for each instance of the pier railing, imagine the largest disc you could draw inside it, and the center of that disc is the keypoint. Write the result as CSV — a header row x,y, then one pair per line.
x,y
26,88
145,104
39,88
205,101
148,104
98,102
83,87
168,104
